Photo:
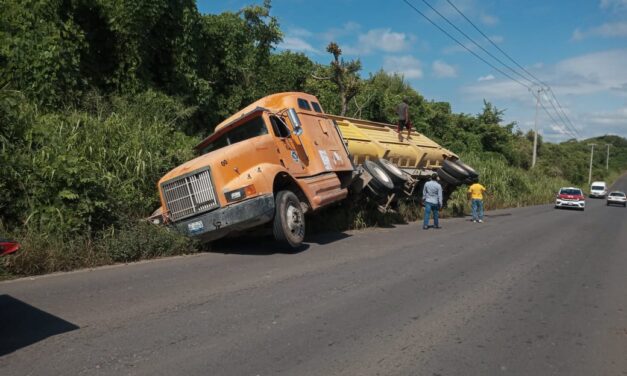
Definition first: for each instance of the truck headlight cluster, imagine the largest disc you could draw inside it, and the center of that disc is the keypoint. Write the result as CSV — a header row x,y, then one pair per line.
x,y
240,194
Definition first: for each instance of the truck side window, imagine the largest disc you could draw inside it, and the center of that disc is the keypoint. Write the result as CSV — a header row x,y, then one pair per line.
x,y
303,104
316,107
252,128
278,126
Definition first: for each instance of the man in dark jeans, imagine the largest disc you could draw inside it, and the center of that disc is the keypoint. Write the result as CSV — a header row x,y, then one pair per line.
x,y
432,200
403,118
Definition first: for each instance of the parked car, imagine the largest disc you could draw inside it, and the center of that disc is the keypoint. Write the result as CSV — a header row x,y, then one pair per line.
x,y
617,198
8,246
570,197
598,189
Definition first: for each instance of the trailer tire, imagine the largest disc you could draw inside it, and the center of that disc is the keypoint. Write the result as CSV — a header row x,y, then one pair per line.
x,y
289,220
455,170
380,179
396,174
471,171
447,177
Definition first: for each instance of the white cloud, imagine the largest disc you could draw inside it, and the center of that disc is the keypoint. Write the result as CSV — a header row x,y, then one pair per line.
x,y
592,90
606,30
488,19
443,70
296,44
489,77
614,5
608,122
333,34
597,72
382,40
407,66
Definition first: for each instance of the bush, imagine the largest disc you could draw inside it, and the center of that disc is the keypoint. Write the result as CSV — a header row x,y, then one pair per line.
x,y
43,253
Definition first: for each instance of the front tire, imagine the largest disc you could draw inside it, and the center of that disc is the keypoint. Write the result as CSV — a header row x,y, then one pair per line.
x,y
289,220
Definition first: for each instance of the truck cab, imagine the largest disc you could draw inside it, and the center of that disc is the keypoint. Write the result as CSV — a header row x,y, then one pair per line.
x,y
273,161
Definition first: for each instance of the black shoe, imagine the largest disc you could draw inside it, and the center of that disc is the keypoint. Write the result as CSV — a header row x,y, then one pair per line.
x,y
425,227
437,227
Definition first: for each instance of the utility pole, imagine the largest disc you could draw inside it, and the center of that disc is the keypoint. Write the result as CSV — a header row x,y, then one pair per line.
x,y
535,130
591,156
607,158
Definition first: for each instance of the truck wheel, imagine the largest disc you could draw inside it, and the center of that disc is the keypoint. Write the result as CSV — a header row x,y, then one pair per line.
x,y
471,171
447,177
380,179
289,220
396,174
455,170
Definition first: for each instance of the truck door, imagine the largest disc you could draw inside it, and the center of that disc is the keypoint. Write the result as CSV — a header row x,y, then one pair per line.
x,y
290,154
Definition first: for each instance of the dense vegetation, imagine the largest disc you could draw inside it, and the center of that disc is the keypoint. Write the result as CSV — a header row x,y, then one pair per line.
x,y
98,99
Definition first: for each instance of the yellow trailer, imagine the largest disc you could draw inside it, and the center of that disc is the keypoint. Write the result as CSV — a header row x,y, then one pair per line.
x,y
369,140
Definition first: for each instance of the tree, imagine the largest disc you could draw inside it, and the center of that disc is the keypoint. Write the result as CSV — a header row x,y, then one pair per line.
x,y
344,75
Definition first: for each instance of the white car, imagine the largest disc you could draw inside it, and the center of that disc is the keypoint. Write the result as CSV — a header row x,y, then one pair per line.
x,y
617,198
598,189
570,197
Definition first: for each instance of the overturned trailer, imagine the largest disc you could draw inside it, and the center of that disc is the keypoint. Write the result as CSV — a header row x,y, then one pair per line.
x,y
282,157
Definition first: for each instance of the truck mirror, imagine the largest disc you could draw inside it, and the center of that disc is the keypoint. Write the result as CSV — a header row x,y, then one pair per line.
x,y
298,129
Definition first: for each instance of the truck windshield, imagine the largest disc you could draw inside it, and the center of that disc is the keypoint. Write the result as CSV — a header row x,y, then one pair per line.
x,y
597,187
251,128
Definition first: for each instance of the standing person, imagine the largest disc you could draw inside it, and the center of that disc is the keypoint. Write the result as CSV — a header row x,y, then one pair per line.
x,y
432,200
475,194
403,118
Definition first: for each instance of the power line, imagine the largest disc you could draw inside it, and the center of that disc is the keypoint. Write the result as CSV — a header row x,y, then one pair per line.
x,y
562,127
477,44
562,109
537,80
495,45
572,131
466,47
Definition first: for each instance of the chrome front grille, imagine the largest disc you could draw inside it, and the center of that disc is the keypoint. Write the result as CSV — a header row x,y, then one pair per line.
x,y
189,195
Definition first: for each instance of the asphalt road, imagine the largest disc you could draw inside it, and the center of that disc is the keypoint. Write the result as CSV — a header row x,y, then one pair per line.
x,y
532,291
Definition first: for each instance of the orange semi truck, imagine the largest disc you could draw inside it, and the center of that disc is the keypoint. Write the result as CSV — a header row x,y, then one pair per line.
x,y
276,160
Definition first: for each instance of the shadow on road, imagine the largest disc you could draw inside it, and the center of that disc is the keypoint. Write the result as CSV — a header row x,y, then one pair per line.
x,y
266,245
327,238
22,325
252,245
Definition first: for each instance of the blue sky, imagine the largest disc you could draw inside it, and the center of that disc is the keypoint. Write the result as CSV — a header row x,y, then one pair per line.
x,y
578,47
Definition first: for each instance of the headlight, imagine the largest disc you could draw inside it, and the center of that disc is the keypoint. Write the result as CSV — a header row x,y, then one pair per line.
x,y
240,194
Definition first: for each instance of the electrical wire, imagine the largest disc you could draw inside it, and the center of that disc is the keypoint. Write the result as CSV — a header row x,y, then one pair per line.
x,y
564,126
466,47
477,44
538,82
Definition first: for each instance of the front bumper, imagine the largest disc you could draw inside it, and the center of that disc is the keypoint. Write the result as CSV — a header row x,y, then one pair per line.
x,y
235,217
597,194
570,204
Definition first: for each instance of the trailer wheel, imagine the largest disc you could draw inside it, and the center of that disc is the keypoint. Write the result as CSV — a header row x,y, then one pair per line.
x,y
471,171
455,170
380,179
289,220
396,174
447,177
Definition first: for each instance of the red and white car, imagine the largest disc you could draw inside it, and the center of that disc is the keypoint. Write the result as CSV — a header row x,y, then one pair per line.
x,y
570,197
8,246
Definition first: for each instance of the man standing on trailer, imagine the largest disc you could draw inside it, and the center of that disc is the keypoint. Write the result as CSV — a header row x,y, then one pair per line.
x,y
403,118
432,200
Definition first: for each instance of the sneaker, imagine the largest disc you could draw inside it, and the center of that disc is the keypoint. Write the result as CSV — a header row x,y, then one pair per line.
x,y
437,227
425,227
481,221
474,220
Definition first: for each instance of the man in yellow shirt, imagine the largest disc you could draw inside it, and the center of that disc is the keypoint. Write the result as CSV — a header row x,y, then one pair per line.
x,y
475,194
